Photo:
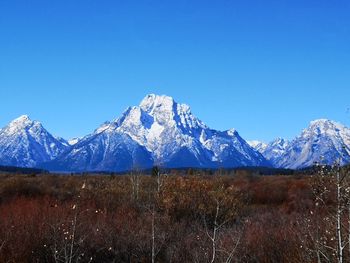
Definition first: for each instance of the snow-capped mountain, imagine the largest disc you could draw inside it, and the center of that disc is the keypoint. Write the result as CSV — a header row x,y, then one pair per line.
x,y
258,145
275,149
26,143
161,131
176,138
166,129
324,141
231,150
157,132
104,150
271,151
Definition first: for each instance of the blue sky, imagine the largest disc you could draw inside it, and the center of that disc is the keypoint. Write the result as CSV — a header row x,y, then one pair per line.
x,y
266,68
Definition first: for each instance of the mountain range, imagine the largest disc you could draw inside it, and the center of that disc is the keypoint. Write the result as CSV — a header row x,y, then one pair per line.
x,y
324,141
162,132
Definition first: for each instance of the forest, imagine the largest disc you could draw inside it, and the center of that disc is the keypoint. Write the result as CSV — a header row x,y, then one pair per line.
x,y
174,216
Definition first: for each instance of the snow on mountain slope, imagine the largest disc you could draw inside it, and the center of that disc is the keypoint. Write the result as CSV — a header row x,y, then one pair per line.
x,y
164,128
324,141
258,145
104,150
73,141
170,131
231,150
26,143
159,131
273,150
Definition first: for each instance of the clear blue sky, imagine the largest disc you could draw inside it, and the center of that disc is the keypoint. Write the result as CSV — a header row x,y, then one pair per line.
x,y
266,68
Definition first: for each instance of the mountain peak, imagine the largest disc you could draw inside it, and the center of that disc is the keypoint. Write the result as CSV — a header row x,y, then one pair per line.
x,y
324,123
232,131
279,141
258,145
27,143
22,119
21,122
154,97
322,126
323,140
167,112
255,143
279,144
321,122
152,102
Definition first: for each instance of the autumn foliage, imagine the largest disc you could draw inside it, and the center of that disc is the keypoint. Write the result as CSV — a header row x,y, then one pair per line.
x,y
134,219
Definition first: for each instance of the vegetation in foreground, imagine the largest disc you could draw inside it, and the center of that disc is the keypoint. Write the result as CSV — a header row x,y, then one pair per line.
x,y
174,218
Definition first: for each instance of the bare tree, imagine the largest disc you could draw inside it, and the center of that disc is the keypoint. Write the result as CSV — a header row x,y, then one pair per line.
x,y
160,177
66,240
331,190
135,179
226,204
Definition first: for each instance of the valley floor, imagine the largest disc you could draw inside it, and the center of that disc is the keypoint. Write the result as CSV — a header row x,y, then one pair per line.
x,y
162,218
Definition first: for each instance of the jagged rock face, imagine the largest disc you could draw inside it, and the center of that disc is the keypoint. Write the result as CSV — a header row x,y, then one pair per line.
x,y
164,128
231,150
274,150
170,131
26,143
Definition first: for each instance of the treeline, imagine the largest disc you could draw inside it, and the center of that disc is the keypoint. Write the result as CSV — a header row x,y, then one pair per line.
x,y
163,218
21,170
244,170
